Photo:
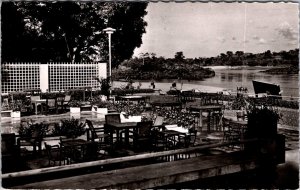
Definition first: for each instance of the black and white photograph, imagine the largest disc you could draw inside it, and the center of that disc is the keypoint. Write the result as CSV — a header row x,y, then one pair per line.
x,y
149,95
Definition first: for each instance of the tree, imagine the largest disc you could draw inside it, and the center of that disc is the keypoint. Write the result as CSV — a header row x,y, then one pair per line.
x,y
71,31
179,55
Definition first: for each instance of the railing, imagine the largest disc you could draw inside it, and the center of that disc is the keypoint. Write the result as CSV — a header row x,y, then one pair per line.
x,y
119,160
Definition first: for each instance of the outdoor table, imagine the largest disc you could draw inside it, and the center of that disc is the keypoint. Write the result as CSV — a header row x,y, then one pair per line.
x,y
241,126
174,133
78,149
120,127
166,104
133,98
38,102
208,108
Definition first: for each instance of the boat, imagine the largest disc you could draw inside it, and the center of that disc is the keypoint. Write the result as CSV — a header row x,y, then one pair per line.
x,y
270,89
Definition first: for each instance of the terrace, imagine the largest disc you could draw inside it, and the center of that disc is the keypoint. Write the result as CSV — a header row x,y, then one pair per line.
x,y
187,129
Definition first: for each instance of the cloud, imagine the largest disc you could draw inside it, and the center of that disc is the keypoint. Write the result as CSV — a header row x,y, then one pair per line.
x,y
255,37
262,41
221,39
285,30
259,39
262,27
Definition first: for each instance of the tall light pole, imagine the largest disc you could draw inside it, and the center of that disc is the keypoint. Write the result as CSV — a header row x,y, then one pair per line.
x,y
109,31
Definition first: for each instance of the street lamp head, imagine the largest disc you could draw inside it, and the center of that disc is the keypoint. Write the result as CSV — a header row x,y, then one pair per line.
x,y
109,30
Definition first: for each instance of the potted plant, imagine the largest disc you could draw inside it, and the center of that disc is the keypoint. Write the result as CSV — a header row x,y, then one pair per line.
x,y
74,106
262,125
99,106
262,122
71,128
16,109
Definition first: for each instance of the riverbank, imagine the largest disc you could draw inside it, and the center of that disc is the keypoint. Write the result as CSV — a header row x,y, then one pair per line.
x,y
283,70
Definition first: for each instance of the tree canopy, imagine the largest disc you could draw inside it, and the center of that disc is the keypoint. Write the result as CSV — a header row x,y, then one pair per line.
x,y
71,31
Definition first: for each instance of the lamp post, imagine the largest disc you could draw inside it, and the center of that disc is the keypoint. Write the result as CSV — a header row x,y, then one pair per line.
x,y
109,31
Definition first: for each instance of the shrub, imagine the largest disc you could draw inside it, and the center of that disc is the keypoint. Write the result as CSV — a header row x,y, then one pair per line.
x,y
70,128
40,128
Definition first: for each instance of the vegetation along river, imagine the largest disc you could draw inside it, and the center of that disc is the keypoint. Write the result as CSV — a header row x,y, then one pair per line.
x,y
230,78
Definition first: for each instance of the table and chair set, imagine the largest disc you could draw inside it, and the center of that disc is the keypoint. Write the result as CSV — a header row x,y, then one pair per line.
x,y
51,105
114,136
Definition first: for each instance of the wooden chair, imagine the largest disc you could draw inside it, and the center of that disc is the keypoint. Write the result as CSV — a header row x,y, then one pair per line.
x,y
113,118
142,136
35,141
10,155
55,154
33,104
231,133
95,134
50,106
60,103
66,100
158,122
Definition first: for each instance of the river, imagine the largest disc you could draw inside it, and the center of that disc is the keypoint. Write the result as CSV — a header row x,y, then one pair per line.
x,y
230,78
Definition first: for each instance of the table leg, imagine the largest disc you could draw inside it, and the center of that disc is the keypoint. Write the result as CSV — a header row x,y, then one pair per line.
x,y
200,118
35,108
127,137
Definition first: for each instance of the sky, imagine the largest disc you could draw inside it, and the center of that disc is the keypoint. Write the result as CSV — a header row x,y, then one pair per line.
x,y
208,29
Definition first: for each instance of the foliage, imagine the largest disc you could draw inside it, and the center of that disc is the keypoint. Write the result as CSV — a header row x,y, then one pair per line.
x,y
238,103
179,55
74,103
104,86
148,68
262,121
28,130
70,31
70,128
97,101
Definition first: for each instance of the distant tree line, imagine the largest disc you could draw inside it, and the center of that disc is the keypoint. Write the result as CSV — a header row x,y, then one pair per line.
x,y
150,66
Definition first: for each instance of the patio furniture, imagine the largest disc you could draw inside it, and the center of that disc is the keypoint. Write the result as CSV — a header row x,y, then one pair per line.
x,y
158,122
50,106
79,150
37,101
34,142
10,155
60,103
55,154
208,108
141,135
100,135
159,141
119,129
66,101
112,118
241,115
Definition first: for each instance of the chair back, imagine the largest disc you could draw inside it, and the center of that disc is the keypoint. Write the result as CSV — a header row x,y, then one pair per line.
x,y
159,120
67,98
34,98
60,100
192,137
144,128
113,118
8,142
91,129
51,103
